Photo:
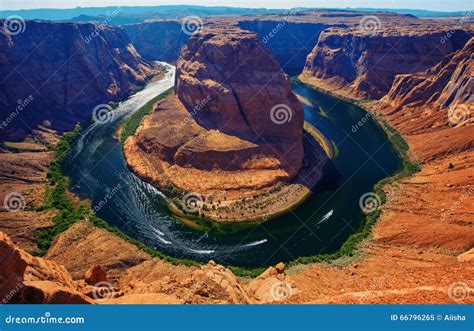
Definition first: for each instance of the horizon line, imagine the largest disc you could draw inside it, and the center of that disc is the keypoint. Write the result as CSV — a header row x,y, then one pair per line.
x,y
239,7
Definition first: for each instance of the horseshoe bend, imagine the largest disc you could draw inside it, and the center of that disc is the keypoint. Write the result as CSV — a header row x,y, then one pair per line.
x,y
229,143
216,134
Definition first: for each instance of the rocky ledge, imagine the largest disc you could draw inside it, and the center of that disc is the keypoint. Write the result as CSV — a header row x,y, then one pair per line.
x,y
231,138
362,63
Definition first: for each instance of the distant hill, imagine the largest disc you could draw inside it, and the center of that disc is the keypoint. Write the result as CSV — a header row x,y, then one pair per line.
x,y
138,12
125,15
417,12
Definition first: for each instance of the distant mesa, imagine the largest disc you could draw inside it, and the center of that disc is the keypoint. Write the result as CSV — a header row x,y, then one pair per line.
x,y
231,134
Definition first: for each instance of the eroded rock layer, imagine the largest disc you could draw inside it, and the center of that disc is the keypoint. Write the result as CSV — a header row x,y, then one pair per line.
x,y
58,73
364,63
442,88
234,119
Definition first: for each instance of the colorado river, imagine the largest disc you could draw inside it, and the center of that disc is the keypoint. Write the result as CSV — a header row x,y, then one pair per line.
x,y
98,172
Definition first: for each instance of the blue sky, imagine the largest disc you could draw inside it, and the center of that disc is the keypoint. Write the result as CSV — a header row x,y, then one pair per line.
x,y
441,5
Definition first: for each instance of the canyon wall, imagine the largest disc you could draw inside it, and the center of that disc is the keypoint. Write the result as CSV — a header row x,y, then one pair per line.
x,y
435,105
160,40
56,73
289,42
364,64
443,86
234,119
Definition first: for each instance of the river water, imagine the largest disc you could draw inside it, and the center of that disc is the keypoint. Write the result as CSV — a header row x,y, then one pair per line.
x,y
98,172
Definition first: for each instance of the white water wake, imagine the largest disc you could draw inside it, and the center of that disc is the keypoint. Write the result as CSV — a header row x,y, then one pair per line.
x,y
325,218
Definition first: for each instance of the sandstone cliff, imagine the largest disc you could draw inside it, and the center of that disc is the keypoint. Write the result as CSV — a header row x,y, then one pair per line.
x,y
445,91
161,40
243,84
363,64
234,121
64,70
26,279
289,41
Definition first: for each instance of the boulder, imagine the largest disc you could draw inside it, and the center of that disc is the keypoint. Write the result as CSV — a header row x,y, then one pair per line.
x,y
95,275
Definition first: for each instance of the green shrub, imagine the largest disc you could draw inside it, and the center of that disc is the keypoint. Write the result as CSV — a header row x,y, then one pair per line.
x,y
131,123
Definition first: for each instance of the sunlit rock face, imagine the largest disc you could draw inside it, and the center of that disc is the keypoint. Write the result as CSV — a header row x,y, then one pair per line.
x,y
365,63
232,125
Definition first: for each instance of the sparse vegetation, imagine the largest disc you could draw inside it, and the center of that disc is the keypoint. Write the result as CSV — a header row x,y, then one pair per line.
x,y
351,244
131,124
55,196
70,212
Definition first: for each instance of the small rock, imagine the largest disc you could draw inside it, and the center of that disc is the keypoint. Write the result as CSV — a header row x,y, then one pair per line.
x,y
280,267
212,263
95,275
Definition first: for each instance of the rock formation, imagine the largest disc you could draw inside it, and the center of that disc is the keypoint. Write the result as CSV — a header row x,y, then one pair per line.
x,y
160,40
447,89
233,120
288,41
58,73
27,279
245,88
95,275
364,64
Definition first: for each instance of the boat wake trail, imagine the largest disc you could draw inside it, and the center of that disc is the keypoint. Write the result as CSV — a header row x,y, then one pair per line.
x,y
325,218
202,251
255,243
